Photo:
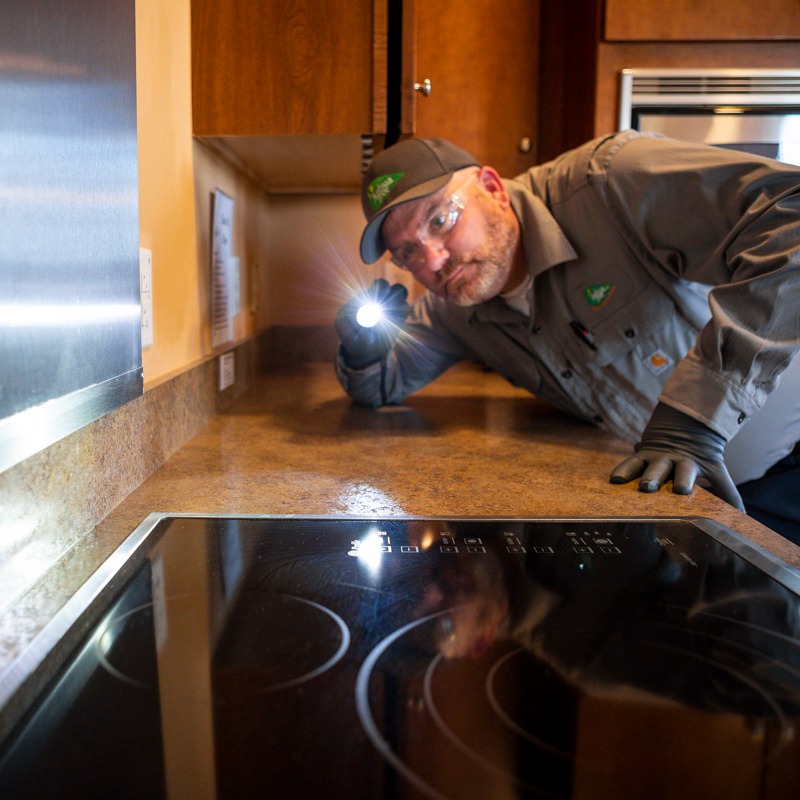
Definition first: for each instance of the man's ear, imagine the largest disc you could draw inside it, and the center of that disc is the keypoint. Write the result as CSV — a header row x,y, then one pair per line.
x,y
491,181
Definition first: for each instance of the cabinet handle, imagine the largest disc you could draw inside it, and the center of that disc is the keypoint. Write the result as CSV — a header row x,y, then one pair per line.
x,y
424,87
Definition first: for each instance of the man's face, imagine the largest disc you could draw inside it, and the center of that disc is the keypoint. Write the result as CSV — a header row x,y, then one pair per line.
x,y
459,242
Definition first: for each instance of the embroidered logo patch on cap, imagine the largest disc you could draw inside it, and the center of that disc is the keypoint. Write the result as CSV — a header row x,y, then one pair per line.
x,y
658,361
379,188
598,296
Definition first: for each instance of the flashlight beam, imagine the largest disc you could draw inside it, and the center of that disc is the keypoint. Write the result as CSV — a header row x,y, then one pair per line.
x,y
369,315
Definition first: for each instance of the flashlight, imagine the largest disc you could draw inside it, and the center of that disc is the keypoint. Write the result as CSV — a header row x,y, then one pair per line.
x,y
369,315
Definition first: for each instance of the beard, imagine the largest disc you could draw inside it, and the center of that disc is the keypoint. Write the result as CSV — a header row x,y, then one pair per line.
x,y
485,271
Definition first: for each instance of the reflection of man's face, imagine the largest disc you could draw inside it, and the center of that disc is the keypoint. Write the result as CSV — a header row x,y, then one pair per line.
x,y
472,261
474,591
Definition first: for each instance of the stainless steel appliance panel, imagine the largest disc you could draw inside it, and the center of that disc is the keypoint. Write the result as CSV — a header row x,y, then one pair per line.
x,y
754,110
70,346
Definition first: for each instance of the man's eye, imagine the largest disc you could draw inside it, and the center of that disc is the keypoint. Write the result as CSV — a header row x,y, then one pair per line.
x,y
439,222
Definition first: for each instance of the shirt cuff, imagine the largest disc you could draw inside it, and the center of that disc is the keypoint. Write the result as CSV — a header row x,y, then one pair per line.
x,y
709,397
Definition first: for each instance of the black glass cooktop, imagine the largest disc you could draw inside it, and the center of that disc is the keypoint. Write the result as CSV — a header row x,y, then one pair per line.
x,y
288,657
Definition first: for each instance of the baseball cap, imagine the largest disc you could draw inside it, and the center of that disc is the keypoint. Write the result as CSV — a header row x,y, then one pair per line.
x,y
406,171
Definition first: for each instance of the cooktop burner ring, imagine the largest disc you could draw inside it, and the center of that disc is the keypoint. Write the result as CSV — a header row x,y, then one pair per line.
x,y
104,642
344,645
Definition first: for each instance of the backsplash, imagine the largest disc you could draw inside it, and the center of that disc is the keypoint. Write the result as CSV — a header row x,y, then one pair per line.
x,y
54,499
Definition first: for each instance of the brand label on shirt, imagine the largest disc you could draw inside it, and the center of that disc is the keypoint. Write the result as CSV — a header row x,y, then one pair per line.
x,y
598,296
658,361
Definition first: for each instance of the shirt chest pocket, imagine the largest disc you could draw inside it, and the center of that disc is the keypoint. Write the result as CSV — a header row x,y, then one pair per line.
x,y
616,318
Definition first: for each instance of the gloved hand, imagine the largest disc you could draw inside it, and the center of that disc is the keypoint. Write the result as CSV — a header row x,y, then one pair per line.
x,y
364,346
674,444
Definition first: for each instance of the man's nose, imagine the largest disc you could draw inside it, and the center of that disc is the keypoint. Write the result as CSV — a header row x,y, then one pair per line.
x,y
436,255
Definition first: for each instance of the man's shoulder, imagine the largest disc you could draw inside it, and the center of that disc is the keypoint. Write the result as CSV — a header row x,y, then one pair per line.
x,y
600,148
588,163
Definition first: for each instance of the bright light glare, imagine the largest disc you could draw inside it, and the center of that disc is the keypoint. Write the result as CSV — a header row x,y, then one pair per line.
x,y
369,315
370,552
49,316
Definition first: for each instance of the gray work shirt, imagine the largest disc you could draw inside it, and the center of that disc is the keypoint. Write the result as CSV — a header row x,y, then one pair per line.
x,y
662,270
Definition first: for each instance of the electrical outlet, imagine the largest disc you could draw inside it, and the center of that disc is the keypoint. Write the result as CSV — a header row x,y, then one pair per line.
x,y
227,370
146,295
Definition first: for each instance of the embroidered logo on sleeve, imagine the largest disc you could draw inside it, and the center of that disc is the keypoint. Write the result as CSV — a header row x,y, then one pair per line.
x,y
598,296
379,188
658,362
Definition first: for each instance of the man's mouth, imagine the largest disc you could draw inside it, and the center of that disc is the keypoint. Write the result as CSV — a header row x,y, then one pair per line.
x,y
450,279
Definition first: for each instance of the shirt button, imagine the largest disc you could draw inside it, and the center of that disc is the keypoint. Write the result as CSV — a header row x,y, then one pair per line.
x,y
536,330
741,418
567,373
598,419
630,333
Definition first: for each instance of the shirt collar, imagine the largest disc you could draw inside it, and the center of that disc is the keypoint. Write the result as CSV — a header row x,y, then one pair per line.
x,y
545,247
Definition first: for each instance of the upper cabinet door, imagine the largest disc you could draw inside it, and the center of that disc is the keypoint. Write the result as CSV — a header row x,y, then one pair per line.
x,y
688,20
481,58
272,67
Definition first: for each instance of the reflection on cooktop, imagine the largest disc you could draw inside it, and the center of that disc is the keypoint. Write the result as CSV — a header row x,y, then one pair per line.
x,y
429,658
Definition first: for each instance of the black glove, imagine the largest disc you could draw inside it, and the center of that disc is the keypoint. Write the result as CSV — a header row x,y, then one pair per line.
x,y
674,444
364,346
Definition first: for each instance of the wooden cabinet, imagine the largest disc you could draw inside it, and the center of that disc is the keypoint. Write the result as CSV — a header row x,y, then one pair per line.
x,y
270,78
272,67
482,60
289,87
711,20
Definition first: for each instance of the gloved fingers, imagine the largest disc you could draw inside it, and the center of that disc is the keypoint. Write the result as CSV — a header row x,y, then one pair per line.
x,y
346,326
378,290
396,295
686,472
723,486
632,467
656,474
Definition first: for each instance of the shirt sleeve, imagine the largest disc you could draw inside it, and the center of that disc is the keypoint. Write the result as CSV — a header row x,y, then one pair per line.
x,y
423,351
730,221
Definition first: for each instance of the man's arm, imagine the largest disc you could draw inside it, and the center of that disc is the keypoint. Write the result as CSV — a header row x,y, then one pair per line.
x,y
421,351
732,222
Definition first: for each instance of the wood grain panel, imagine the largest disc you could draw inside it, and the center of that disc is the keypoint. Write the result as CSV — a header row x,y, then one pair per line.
x,y
282,66
688,20
482,59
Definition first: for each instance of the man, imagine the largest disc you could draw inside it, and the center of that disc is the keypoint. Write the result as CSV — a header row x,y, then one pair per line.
x,y
646,285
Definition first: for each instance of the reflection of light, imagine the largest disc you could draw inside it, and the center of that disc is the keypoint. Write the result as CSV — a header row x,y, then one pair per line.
x,y
24,557
362,499
790,139
427,540
15,535
369,315
41,316
370,551
103,640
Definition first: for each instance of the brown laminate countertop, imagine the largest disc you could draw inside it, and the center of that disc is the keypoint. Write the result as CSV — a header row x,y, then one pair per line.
x,y
467,445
